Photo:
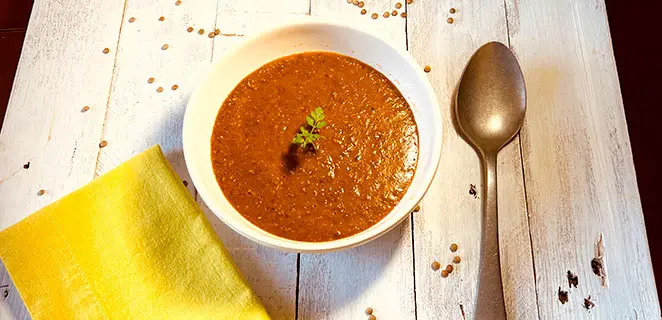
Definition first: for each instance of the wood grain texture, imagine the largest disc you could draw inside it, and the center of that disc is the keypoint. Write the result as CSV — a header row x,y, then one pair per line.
x,y
450,214
61,70
380,274
579,172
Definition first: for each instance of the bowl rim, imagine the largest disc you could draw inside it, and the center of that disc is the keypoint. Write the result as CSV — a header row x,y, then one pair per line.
x,y
355,240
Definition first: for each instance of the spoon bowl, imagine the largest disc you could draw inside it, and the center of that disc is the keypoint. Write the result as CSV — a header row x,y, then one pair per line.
x,y
490,109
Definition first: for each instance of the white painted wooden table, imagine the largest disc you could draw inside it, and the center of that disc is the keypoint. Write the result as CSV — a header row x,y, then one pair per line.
x,y
567,178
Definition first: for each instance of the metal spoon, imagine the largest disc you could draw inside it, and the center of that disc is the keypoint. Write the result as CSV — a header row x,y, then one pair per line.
x,y
490,108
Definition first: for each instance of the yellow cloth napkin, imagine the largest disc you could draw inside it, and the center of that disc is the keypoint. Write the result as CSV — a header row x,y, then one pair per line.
x,y
132,244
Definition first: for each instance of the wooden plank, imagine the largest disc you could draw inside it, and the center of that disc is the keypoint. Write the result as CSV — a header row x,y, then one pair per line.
x,y
62,69
580,177
140,116
272,274
379,274
450,214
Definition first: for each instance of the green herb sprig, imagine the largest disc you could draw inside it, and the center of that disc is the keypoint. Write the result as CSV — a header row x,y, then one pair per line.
x,y
315,121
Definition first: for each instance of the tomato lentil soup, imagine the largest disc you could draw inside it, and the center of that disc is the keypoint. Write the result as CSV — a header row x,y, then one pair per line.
x,y
356,174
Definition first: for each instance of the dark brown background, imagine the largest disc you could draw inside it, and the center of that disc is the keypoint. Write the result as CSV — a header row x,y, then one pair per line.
x,y
635,30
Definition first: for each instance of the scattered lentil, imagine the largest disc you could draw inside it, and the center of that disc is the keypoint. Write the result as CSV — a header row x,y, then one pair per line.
x,y
457,259
185,183
472,190
386,14
588,304
217,31
349,1
449,268
175,87
361,4
85,109
452,10
159,89
355,2
394,13
372,317
453,247
410,1
404,14
150,80
132,19
161,18
368,311
398,5
106,50
573,280
211,34
189,29
436,265
41,192
103,143
417,209
364,11
444,273
449,20
374,16
563,296
165,47
427,69
178,3
201,31
26,165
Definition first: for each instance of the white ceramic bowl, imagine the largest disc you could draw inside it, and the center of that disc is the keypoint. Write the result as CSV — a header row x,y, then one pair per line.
x,y
309,35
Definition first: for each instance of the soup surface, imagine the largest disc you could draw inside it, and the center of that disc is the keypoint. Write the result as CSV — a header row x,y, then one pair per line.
x,y
354,176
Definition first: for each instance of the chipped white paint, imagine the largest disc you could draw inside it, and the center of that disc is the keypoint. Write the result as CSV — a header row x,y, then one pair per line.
x,y
575,159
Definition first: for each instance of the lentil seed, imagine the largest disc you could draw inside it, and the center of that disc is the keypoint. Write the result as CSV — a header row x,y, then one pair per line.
x,y
85,108
361,4
417,209
452,10
364,11
41,192
150,80
211,34
427,69
159,89
398,5
386,14
106,50
217,31
457,259
410,1
201,31
368,311
161,18
444,273
189,29
435,265
175,87
449,20
404,14
103,143
453,247
374,16
449,268
394,13
185,183
355,2
132,19
178,3
372,317
165,47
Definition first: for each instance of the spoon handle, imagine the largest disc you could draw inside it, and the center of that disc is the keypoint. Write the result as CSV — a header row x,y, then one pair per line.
x,y
490,302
